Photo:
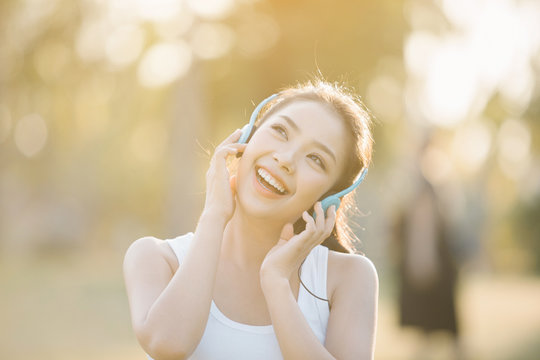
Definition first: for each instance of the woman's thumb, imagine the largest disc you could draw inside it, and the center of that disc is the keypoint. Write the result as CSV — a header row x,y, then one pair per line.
x,y
287,232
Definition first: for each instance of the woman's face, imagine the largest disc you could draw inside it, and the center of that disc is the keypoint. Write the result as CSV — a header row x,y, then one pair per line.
x,y
293,158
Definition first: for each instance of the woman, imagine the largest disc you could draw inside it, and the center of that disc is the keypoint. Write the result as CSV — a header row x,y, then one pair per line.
x,y
252,281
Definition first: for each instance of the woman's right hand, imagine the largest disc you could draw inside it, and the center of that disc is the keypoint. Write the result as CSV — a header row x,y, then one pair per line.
x,y
219,192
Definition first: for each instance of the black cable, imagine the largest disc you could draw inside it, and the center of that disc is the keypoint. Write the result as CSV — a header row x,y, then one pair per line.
x,y
301,282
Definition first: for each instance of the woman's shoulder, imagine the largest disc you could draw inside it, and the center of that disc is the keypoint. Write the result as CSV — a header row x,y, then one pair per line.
x,y
149,248
355,262
350,271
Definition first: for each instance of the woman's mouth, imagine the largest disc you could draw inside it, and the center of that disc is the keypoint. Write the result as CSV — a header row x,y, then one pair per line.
x,y
270,182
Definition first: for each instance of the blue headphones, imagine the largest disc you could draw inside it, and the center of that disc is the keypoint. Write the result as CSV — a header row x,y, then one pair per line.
x,y
326,202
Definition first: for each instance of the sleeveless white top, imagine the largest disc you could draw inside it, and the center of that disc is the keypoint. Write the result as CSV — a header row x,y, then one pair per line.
x,y
225,339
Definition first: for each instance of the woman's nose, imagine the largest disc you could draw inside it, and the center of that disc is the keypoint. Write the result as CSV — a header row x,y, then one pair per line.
x,y
285,161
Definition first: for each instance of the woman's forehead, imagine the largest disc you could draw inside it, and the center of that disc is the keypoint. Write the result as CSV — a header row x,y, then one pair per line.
x,y
311,115
315,120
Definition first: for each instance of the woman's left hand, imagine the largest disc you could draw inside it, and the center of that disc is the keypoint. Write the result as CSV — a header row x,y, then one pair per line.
x,y
289,252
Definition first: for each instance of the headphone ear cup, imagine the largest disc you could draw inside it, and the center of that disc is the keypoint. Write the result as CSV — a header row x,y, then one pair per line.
x,y
246,130
247,133
329,201
250,135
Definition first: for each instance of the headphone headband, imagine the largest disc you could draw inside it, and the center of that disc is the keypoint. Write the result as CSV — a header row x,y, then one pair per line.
x,y
354,185
247,129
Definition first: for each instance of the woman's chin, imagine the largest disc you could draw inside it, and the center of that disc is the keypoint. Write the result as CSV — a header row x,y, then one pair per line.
x,y
248,208
279,215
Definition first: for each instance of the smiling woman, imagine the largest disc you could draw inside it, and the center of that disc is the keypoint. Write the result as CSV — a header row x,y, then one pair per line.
x,y
253,281
349,112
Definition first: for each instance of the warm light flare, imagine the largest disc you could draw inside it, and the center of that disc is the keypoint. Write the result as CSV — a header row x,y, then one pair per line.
x,y
211,41
164,63
450,85
211,9
124,45
31,135
158,10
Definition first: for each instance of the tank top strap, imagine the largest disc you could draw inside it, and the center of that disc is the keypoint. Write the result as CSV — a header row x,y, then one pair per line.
x,y
314,271
314,277
180,245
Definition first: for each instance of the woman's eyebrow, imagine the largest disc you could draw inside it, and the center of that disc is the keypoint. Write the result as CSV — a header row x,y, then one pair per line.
x,y
319,144
291,122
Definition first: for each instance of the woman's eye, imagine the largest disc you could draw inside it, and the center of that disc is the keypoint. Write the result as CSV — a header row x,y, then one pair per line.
x,y
317,160
280,130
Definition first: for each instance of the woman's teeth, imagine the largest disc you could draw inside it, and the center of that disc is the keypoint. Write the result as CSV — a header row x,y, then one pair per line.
x,y
271,180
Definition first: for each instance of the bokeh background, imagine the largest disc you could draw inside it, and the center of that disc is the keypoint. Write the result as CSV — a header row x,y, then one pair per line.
x,y
110,109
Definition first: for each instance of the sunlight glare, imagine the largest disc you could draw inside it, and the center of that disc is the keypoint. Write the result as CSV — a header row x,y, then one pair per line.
x,y
176,27
211,9
30,134
451,85
211,41
158,10
517,89
164,63
90,40
124,45
419,49
462,13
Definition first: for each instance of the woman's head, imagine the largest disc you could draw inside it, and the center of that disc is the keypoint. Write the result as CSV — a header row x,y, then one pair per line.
x,y
319,132
350,110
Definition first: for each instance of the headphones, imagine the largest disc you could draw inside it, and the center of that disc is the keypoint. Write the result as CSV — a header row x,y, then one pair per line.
x,y
326,202
248,128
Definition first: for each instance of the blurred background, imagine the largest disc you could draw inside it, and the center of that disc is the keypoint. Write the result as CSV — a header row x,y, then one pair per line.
x,y
109,111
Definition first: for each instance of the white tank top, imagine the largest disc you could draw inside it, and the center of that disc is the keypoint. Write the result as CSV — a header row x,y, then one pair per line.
x,y
225,339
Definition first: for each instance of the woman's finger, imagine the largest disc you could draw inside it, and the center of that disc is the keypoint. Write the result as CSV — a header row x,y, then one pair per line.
x,y
310,222
330,220
230,149
237,147
232,138
320,217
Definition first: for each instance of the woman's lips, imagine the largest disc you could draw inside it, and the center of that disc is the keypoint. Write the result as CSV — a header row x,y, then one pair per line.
x,y
264,189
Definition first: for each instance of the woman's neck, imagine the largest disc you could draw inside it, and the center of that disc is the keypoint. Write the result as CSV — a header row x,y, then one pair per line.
x,y
247,240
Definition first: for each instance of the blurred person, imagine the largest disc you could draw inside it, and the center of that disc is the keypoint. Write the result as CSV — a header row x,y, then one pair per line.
x,y
253,281
427,271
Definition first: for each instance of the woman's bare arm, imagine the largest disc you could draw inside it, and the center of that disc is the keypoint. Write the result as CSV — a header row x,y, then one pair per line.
x,y
352,323
169,310
353,316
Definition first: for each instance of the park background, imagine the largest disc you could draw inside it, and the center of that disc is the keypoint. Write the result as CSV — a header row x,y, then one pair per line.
x,y
109,111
